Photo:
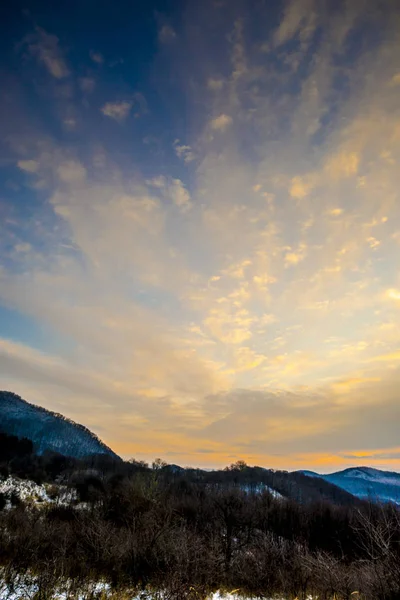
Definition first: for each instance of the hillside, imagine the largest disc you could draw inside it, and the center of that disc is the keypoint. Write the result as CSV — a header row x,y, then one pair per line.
x,y
282,484
48,430
365,482
52,432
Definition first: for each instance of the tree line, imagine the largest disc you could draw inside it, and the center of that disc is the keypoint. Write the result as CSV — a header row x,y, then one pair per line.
x,y
190,532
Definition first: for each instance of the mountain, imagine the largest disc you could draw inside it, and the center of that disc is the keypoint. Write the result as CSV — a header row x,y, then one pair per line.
x,y
49,431
365,482
294,486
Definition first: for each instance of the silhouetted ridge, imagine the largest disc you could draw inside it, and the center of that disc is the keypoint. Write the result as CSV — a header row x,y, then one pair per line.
x,y
49,431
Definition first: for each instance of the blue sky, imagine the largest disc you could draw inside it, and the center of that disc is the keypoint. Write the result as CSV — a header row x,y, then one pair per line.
x,y
200,226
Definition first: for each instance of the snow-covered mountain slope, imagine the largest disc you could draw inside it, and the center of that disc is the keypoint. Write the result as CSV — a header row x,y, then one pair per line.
x,y
48,431
309,473
365,482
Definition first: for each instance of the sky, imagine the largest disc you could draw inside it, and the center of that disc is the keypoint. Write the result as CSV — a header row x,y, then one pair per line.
x,y
200,226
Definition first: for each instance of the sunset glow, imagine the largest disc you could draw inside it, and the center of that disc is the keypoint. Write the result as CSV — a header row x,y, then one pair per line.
x,y
200,228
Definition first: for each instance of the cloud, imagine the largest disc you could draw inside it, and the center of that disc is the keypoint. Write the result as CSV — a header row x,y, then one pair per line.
x,y
248,306
30,166
343,164
45,47
229,322
102,222
221,123
336,212
284,421
174,190
393,294
52,382
166,34
87,84
337,166
71,172
294,258
395,79
96,57
184,152
24,247
21,361
299,20
70,123
215,84
300,187
118,111
247,359
179,194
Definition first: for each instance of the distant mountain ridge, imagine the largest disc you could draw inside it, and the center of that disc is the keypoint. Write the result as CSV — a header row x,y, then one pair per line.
x,y
365,482
52,432
49,431
281,484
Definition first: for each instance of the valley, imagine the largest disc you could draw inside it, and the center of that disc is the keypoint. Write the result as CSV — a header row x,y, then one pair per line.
x,y
125,530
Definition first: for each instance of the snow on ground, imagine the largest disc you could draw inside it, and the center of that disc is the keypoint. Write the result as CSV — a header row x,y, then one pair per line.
x,y
274,493
29,491
261,487
26,587
373,475
101,594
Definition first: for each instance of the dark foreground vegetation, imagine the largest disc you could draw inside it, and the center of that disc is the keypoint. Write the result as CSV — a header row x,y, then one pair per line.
x,y
190,532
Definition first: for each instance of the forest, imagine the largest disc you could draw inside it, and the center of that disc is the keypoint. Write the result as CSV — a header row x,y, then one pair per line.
x,y
190,532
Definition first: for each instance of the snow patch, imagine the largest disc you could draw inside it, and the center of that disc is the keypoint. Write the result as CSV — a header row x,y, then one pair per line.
x,y
26,586
261,487
29,491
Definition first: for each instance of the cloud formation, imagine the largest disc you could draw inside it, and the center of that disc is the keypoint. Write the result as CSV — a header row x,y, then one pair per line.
x,y
166,34
221,122
45,47
96,57
117,110
184,152
219,280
